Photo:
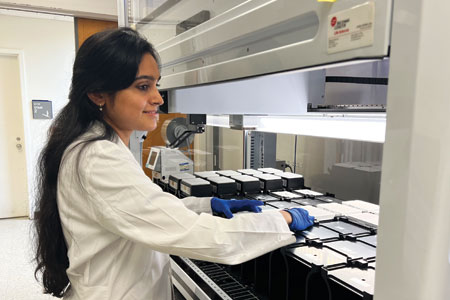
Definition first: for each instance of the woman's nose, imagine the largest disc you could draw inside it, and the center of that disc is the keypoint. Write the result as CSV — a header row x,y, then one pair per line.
x,y
156,99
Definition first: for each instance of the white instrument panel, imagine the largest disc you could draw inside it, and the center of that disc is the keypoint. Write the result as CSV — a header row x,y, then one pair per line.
x,y
264,36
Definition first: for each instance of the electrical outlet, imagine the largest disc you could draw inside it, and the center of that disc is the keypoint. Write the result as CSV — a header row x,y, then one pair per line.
x,y
280,165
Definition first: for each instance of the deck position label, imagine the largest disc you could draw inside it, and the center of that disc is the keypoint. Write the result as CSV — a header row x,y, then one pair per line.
x,y
352,28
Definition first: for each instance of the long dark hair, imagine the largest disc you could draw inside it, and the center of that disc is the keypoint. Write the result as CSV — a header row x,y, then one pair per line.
x,y
106,62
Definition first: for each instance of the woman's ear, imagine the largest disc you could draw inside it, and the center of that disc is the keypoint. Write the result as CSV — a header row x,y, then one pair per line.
x,y
98,99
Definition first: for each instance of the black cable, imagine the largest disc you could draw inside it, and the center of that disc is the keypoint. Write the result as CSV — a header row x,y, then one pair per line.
x,y
288,166
307,283
181,138
328,288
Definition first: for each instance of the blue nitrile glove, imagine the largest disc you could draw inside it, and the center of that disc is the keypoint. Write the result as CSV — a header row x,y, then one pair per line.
x,y
300,219
228,207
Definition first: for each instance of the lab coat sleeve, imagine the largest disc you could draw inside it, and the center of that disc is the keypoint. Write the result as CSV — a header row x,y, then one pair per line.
x,y
198,204
127,203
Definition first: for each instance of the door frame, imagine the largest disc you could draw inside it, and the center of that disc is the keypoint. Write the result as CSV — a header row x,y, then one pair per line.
x,y
26,116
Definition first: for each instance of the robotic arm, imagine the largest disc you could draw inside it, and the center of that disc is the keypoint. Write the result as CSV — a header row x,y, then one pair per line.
x,y
179,132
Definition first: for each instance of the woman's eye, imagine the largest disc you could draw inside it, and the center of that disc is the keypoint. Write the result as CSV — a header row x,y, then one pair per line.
x,y
143,87
158,85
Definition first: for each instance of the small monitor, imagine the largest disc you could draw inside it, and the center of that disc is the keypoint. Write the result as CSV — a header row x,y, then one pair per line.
x,y
153,158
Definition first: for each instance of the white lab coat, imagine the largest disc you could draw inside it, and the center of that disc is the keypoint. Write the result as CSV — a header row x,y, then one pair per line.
x,y
120,227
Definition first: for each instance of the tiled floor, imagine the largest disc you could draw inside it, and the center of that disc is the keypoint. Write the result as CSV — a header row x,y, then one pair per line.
x,y
16,268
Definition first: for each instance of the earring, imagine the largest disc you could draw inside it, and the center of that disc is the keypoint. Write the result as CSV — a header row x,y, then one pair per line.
x,y
100,107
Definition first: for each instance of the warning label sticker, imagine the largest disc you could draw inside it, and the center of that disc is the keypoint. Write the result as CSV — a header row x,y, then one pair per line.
x,y
352,28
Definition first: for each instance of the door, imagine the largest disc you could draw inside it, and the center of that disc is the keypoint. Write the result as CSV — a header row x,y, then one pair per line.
x,y
87,27
13,175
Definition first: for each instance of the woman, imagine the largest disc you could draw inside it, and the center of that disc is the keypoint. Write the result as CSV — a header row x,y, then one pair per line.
x,y
104,230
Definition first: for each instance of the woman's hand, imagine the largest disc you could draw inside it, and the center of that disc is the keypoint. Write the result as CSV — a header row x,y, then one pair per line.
x,y
228,207
297,218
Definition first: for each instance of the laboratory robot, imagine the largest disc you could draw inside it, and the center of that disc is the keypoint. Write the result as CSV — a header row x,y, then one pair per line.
x,y
167,160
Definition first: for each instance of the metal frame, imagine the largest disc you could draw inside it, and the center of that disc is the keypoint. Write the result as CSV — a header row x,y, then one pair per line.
x,y
413,258
122,13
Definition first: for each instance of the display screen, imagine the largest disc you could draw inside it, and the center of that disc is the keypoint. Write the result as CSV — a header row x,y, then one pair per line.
x,y
153,156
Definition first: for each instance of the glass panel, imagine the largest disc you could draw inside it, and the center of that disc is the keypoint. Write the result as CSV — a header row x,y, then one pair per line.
x,y
218,149
348,169
203,150
160,20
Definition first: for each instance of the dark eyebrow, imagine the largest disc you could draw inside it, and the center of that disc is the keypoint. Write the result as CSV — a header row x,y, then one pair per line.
x,y
147,77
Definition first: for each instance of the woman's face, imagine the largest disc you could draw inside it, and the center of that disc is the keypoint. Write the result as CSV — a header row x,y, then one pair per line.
x,y
135,108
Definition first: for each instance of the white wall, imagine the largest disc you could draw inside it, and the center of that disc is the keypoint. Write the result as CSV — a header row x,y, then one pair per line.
x,y
48,44
96,9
